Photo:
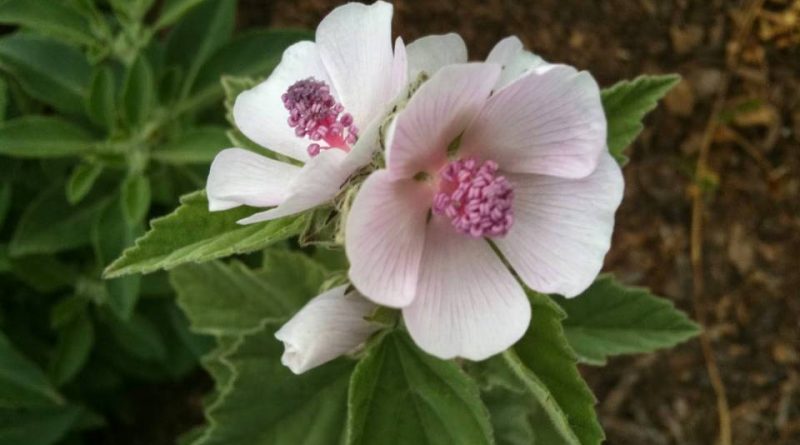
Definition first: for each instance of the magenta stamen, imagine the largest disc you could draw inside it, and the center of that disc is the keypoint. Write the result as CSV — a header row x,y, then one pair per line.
x,y
477,201
315,114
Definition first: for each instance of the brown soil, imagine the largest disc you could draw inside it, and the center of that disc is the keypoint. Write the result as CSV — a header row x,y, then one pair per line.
x,y
751,239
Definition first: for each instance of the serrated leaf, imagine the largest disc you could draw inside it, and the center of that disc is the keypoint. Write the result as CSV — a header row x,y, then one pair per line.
x,y
192,234
626,103
312,406
22,383
48,70
401,395
81,181
139,92
198,146
611,319
51,225
44,426
135,198
173,10
75,340
101,103
253,53
43,137
51,17
222,299
544,361
201,32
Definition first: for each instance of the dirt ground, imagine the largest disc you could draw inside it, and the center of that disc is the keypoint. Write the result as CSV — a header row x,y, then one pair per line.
x,y
750,190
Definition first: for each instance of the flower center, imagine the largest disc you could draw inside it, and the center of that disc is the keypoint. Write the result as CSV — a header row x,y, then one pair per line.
x,y
475,198
314,113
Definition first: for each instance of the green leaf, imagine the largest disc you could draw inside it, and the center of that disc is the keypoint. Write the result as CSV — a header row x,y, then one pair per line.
x,y
74,345
51,225
198,35
48,70
3,99
135,198
81,181
222,299
101,103
140,337
611,319
22,383
401,395
173,10
312,406
139,92
52,17
548,367
43,273
626,103
45,426
5,201
111,234
192,234
249,54
197,146
43,137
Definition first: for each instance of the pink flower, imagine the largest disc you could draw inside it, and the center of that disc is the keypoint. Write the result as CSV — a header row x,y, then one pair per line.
x,y
531,176
322,106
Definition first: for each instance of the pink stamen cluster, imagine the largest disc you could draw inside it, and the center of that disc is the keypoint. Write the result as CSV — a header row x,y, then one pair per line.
x,y
475,199
315,113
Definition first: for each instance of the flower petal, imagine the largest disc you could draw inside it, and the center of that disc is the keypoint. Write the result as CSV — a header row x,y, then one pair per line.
x,y
355,44
241,177
330,325
505,51
436,114
430,53
259,112
550,122
562,227
384,237
468,304
316,183
399,68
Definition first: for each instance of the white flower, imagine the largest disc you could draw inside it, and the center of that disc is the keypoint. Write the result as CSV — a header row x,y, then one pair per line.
x,y
532,175
322,106
328,326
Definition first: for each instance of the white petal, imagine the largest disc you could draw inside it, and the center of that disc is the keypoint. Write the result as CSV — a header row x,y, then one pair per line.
x,y
384,237
399,68
330,325
316,183
437,113
241,177
550,121
355,45
516,62
505,51
468,304
430,53
259,112
562,228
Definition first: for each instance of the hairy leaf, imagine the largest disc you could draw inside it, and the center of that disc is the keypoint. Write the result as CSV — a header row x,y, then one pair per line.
x,y
192,234
626,104
401,395
611,319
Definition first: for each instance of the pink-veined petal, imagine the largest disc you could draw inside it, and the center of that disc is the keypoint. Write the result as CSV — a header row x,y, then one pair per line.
x,y
316,183
355,45
330,325
259,112
468,304
436,114
241,177
562,227
550,121
384,237
430,53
